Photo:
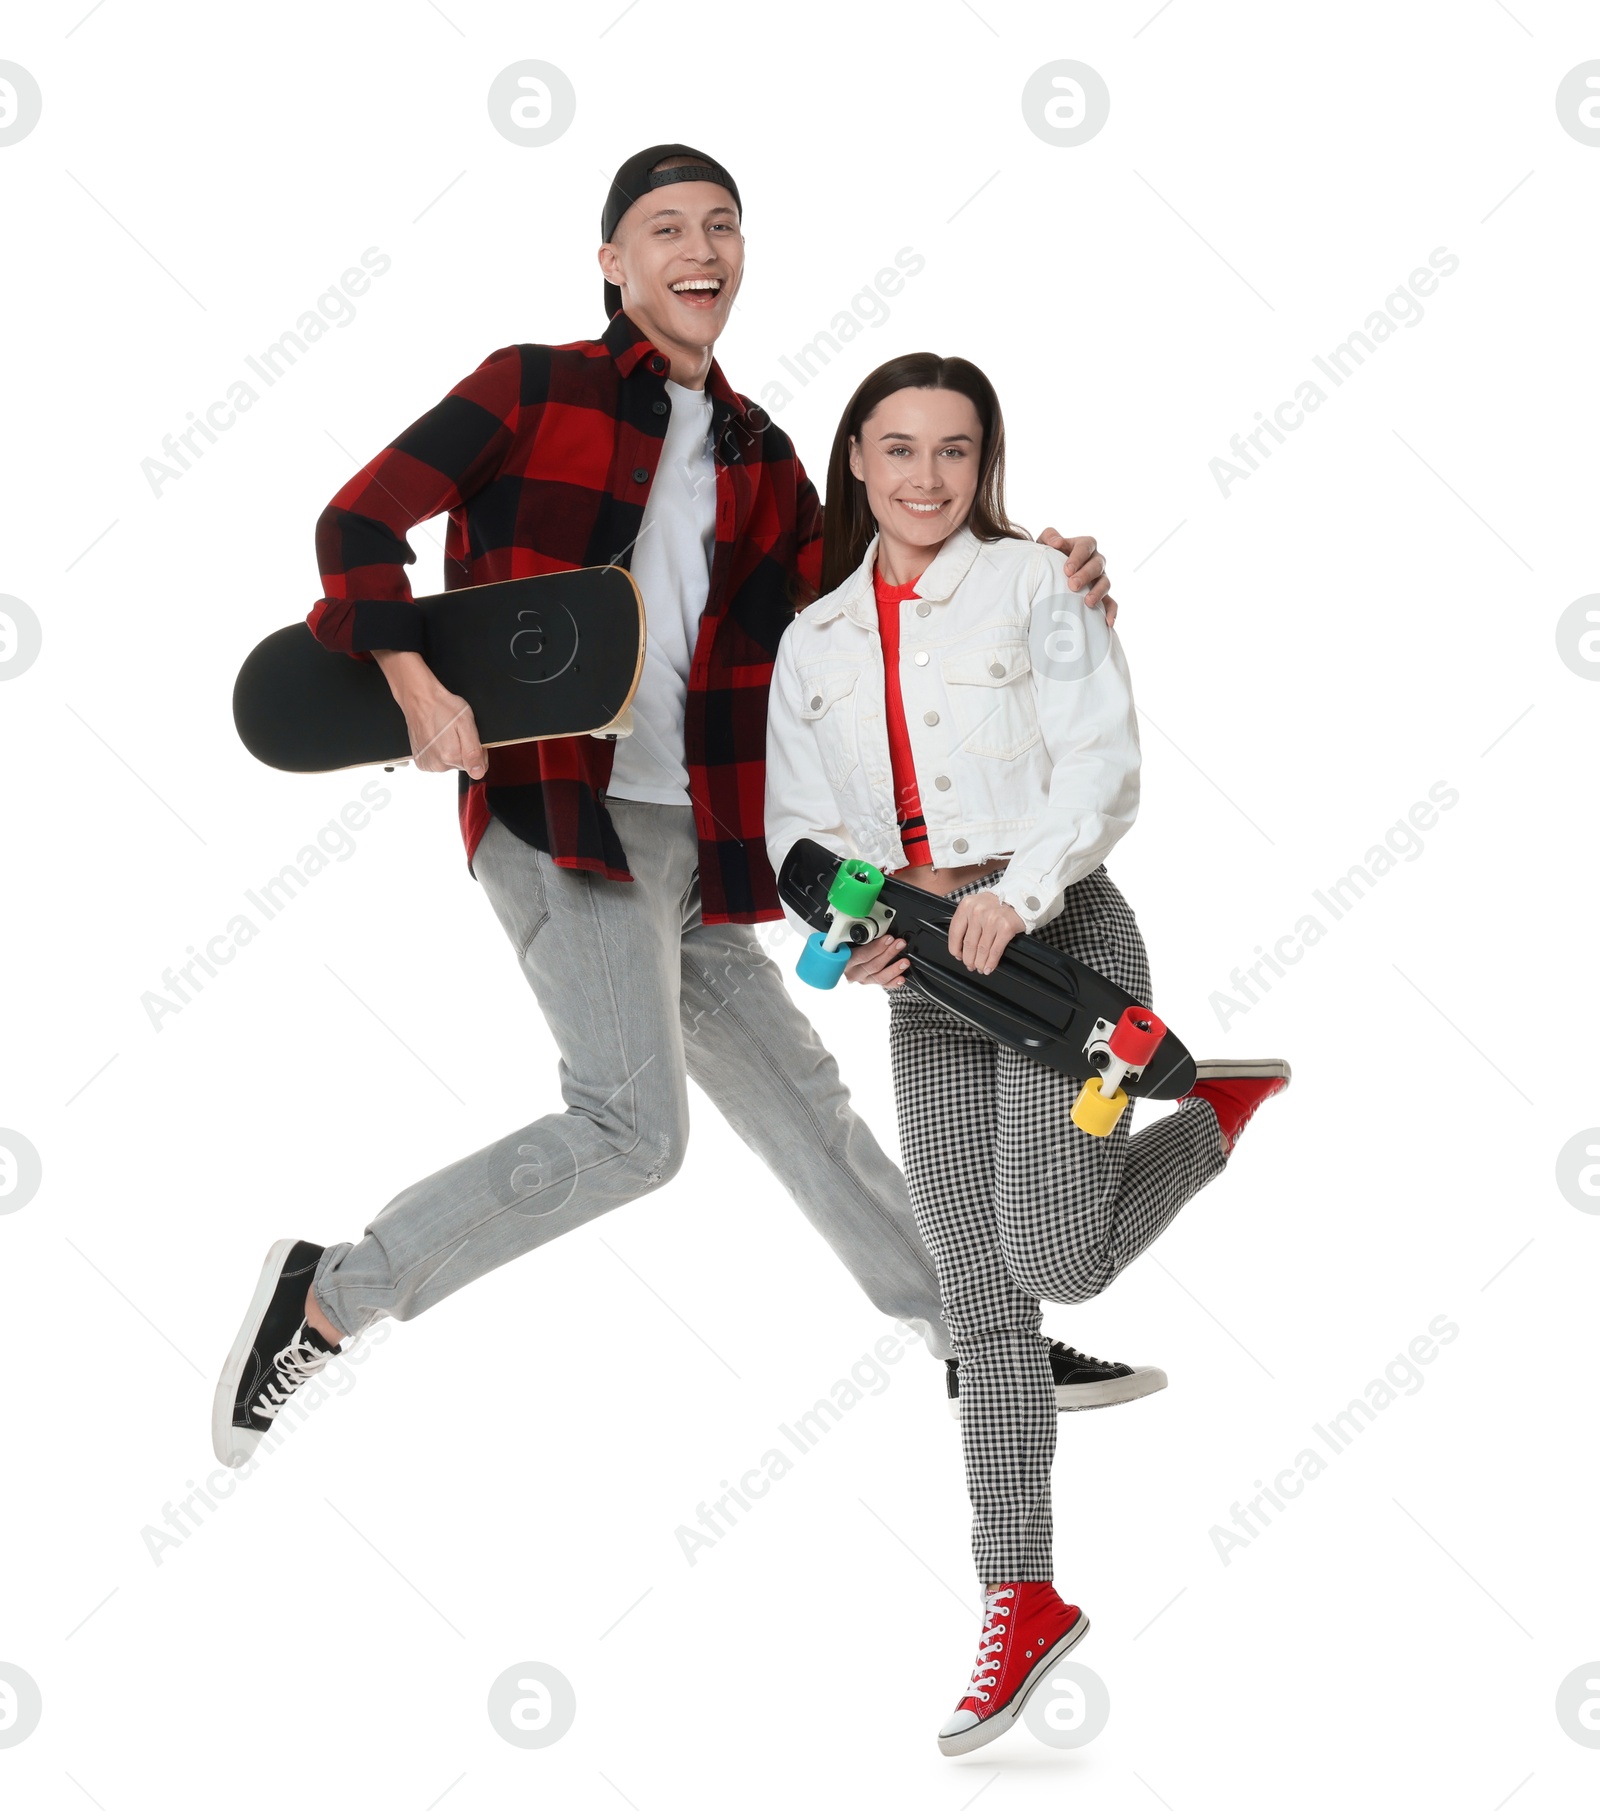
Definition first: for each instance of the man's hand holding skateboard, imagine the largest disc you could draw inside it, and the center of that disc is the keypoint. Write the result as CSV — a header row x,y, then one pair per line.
x,y
443,733
511,647
878,963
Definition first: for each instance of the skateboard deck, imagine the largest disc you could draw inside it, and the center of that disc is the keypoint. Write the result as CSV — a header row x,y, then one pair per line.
x,y
1038,1000
558,655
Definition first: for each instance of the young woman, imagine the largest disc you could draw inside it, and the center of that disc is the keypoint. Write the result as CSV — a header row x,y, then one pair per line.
x,y
949,711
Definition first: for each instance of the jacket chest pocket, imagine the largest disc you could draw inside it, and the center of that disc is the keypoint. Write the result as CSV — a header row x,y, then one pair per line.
x,y
828,704
992,706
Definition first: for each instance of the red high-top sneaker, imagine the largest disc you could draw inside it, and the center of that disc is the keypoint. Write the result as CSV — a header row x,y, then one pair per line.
x,y
1026,1630
1234,1089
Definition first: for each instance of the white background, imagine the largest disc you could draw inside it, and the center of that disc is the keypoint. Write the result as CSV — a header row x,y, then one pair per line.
x,y
1372,612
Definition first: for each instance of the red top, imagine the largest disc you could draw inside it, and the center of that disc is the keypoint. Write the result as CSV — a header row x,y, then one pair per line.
x,y
908,801
544,458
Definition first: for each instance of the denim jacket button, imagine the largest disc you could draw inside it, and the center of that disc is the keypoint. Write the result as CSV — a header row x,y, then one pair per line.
x,y
816,703
943,782
1031,903
924,609
930,718
960,845
920,659
996,670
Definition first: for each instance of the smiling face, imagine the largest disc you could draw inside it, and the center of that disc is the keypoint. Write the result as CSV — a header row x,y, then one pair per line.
x,y
677,256
919,454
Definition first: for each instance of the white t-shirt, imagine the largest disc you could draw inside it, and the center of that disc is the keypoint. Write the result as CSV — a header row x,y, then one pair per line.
x,y
671,564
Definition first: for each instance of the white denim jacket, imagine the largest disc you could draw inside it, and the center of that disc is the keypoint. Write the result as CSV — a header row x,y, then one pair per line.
x,y
1018,707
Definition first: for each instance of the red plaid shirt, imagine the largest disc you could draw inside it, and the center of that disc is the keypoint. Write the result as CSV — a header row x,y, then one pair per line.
x,y
544,458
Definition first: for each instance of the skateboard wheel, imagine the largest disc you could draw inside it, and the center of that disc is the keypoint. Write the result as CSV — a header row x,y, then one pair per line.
x,y
819,967
1096,1113
855,889
1136,1036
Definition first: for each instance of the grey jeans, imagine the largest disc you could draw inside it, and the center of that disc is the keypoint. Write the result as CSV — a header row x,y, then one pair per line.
x,y
640,996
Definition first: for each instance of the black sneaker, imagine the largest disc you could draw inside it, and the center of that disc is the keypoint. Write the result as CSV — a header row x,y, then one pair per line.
x,y
1081,1382
276,1351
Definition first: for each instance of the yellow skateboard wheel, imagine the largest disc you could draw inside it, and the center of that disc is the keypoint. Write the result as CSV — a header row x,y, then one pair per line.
x,y
1095,1113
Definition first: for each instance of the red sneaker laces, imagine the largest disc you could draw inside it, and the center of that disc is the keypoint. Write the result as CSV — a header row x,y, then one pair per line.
x,y
991,1642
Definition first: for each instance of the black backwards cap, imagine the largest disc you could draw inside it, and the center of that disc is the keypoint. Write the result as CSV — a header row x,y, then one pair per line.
x,y
636,178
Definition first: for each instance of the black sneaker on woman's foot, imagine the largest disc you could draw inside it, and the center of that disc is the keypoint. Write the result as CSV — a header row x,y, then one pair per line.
x,y
277,1350
1081,1382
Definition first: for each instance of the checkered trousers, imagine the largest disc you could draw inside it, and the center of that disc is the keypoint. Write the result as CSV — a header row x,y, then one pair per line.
x,y
1016,1204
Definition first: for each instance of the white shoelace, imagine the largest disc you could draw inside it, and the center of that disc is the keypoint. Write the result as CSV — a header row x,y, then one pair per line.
x,y
990,1643
297,1363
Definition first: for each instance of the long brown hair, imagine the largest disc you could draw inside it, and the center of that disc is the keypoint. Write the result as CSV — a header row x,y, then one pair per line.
x,y
847,524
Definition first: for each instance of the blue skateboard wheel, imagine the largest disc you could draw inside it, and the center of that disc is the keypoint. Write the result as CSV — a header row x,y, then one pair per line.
x,y
819,967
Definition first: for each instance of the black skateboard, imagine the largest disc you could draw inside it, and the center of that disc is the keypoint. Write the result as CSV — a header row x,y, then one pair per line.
x,y
558,655
1038,1000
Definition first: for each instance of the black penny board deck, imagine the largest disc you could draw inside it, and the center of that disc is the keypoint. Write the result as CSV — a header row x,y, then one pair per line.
x,y
1038,1000
558,655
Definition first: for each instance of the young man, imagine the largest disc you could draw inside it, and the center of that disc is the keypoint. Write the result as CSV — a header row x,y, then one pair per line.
x,y
626,873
